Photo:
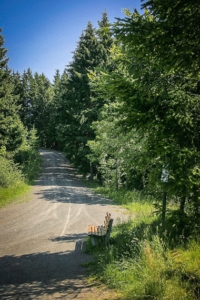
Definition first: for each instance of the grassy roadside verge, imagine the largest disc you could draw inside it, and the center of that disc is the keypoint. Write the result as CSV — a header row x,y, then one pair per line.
x,y
12,193
16,180
143,261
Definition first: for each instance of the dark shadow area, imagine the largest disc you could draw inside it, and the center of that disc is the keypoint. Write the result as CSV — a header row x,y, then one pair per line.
x,y
31,276
61,173
67,185
58,166
66,194
71,238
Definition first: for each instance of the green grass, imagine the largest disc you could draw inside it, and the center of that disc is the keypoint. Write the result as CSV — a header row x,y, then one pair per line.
x,y
140,262
13,193
16,181
143,267
149,275
134,201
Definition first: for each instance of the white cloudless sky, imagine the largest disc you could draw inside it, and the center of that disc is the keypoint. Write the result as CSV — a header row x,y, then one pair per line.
x,y
42,34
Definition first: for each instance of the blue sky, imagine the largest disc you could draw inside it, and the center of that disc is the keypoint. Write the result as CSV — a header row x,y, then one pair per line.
x,y
41,34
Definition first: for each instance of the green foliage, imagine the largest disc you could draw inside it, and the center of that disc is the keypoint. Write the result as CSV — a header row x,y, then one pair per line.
x,y
156,107
18,169
11,128
175,26
29,160
86,57
18,155
136,201
32,139
35,94
140,263
75,106
10,174
105,37
114,152
147,276
15,193
42,96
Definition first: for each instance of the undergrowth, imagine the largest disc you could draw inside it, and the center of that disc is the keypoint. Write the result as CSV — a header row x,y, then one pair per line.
x,y
143,260
17,173
29,161
12,193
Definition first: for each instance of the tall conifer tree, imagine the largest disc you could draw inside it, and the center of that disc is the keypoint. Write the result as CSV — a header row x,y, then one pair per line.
x,y
105,37
79,114
11,128
76,105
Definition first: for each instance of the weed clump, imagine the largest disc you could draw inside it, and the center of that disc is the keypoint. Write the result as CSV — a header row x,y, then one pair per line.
x,y
18,170
12,181
10,174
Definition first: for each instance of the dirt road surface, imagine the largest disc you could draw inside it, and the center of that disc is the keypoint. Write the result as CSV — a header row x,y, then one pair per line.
x,y
42,240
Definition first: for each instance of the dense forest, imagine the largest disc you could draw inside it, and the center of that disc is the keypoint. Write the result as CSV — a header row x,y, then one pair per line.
x,y
126,110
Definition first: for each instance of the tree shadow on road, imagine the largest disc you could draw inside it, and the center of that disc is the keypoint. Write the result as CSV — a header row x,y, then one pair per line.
x,y
42,275
62,172
61,182
72,195
76,237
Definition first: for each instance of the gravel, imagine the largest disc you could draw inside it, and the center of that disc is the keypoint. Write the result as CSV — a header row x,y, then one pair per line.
x,y
42,239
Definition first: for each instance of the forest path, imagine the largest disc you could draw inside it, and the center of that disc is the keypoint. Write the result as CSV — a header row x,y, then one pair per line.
x,y
42,240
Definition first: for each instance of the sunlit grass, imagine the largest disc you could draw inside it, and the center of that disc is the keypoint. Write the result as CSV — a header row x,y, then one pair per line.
x,y
134,201
18,178
140,262
187,261
147,269
12,193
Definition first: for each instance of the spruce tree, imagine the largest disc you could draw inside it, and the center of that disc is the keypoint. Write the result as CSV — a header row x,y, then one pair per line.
x,y
41,95
76,106
11,127
60,108
106,39
26,100
79,105
159,99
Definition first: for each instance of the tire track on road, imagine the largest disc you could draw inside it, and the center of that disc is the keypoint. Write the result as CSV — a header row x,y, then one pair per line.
x,y
67,222
42,241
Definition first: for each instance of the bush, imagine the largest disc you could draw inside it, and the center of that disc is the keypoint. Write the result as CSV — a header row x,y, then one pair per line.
x,y
29,160
10,173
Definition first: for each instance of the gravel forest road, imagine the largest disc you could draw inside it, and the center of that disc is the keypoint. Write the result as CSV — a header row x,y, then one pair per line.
x,y
42,240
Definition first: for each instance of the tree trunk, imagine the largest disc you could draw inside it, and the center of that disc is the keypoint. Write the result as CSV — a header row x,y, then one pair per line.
x,y
182,204
91,172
